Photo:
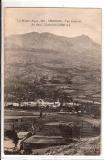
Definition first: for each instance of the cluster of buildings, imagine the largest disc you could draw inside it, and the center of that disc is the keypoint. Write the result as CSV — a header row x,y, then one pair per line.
x,y
78,105
38,103
42,103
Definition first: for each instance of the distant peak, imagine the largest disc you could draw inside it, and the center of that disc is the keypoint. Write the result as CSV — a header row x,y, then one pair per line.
x,y
47,33
84,36
31,33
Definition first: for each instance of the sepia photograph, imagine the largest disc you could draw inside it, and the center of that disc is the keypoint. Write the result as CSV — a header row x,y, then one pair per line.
x,y
52,81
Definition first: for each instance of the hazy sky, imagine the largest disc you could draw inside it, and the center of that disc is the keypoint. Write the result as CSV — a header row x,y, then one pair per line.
x,y
86,21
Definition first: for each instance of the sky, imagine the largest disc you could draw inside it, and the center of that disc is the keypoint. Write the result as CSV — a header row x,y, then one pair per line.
x,y
80,21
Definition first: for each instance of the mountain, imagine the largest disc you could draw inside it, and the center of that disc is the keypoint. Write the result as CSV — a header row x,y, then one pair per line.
x,y
50,41
37,54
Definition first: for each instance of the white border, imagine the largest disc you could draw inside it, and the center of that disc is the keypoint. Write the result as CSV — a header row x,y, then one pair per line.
x,y
49,3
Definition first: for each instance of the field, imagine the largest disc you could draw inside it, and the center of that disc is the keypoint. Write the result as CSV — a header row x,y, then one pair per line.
x,y
88,141
85,146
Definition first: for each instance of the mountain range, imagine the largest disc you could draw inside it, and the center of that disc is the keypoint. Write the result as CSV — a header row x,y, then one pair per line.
x,y
32,55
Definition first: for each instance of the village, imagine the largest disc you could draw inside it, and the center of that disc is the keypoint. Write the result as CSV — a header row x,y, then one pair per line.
x,y
75,106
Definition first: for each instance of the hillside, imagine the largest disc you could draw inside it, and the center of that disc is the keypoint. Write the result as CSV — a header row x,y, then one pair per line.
x,y
32,56
86,146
